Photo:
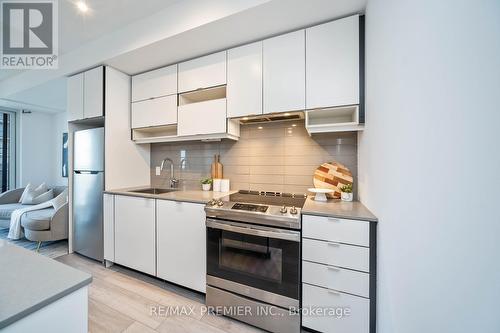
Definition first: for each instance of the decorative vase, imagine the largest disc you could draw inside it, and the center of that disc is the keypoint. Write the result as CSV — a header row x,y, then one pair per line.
x,y
206,187
346,196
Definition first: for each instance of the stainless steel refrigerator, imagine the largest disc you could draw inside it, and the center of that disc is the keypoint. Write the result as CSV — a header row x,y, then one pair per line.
x,y
88,187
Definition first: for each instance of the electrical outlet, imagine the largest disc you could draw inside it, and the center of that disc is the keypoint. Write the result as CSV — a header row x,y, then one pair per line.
x,y
158,171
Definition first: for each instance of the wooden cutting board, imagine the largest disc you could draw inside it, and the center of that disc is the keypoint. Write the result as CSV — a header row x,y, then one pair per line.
x,y
332,175
218,166
217,172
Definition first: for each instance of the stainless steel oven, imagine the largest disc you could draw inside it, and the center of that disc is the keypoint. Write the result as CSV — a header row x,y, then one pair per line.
x,y
253,258
255,269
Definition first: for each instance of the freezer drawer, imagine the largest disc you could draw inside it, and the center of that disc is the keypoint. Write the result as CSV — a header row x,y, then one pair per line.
x,y
87,214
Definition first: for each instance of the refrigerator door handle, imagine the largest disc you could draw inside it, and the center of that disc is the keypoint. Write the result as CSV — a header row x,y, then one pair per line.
x,y
86,172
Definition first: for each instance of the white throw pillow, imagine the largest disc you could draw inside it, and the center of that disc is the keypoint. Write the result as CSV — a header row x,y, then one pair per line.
x,y
60,200
29,200
29,194
27,189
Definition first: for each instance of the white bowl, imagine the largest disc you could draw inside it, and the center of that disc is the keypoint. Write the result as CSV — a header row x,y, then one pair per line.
x,y
320,193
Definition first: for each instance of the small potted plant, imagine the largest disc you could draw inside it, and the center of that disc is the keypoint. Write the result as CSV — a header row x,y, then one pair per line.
x,y
206,183
346,192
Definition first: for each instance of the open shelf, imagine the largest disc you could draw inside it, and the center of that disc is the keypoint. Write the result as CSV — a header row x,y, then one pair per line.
x,y
202,95
338,119
169,134
146,134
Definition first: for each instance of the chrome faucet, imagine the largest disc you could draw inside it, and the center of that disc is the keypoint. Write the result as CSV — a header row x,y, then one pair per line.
x,y
173,180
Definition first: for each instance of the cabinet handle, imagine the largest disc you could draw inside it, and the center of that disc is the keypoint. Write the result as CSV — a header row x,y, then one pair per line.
x,y
333,243
332,268
333,219
333,292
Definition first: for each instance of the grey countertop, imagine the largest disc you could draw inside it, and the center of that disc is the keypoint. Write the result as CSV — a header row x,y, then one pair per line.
x,y
30,281
341,209
196,196
333,208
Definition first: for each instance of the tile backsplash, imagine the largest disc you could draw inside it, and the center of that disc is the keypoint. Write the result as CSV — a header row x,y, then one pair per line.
x,y
276,156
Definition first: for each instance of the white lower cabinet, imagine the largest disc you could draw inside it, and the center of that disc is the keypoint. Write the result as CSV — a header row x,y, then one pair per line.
x,y
336,254
135,241
331,277
181,239
338,261
109,226
356,320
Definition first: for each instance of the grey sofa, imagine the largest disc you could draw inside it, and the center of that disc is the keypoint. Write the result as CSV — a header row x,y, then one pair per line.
x,y
40,225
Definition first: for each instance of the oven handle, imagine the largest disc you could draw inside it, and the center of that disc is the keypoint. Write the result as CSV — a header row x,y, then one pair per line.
x,y
255,231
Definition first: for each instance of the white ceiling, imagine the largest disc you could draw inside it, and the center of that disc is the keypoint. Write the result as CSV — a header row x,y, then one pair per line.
x,y
104,16
135,36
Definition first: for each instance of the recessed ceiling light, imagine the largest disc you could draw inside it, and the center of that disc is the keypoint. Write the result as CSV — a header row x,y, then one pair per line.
x,y
260,127
82,6
245,118
287,114
294,125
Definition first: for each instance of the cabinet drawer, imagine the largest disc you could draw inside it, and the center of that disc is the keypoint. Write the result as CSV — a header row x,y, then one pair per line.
x,y
157,83
155,112
336,230
340,279
336,254
358,320
204,72
207,117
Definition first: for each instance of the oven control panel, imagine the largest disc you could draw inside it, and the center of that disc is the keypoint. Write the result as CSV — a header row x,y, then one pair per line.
x,y
250,207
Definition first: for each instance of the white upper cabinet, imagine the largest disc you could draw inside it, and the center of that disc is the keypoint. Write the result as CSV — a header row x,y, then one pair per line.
x,y
93,101
204,72
75,97
86,94
207,117
244,80
332,63
284,72
156,83
155,112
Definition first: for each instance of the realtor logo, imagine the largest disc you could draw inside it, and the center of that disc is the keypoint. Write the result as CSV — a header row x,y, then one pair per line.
x,y
29,34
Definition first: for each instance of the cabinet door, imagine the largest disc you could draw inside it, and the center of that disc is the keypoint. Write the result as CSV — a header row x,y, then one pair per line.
x,y
244,80
135,233
75,97
357,321
332,63
109,226
155,112
207,117
157,83
284,72
204,72
93,100
182,243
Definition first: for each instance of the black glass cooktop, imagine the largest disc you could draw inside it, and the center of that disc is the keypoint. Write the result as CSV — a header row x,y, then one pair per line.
x,y
250,207
267,198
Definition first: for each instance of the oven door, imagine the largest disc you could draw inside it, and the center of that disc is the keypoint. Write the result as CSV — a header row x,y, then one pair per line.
x,y
262,258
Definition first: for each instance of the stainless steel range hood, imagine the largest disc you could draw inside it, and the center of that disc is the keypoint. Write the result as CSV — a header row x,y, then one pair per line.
x,y
287,116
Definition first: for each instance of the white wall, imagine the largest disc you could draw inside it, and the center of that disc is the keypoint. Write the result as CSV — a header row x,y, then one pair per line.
x,y
429,164
39,148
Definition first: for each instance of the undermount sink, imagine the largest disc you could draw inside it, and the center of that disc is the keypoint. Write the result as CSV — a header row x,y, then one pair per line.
x,y
154,190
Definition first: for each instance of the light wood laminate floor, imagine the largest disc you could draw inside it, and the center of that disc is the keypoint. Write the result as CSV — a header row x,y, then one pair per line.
x,y
120,300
